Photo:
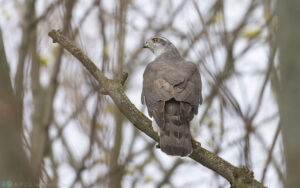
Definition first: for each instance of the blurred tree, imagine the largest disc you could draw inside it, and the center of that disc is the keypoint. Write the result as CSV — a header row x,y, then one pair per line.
x,y
289,43
14,165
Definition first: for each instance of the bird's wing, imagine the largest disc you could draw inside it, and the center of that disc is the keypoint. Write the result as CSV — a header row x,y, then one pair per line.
x,y
158,82
172,93
163,81
190,90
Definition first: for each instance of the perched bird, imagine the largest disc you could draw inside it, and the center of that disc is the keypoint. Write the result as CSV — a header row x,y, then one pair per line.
x,y
172,93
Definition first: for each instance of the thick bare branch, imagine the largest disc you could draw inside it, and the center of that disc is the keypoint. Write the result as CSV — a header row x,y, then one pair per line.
x,y
238,177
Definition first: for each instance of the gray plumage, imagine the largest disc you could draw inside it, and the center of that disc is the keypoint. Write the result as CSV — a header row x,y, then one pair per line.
x,y
172,92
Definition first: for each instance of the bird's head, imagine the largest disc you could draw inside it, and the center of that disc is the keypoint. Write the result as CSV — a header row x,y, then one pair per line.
x,y
157,44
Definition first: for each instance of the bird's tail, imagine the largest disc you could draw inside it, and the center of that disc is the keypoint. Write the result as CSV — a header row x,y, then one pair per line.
x,y
175,137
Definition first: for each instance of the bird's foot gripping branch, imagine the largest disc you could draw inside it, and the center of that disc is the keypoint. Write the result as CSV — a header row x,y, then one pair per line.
x,y
238,177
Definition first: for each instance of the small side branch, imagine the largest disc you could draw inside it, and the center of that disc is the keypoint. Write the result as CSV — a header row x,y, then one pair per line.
x,y
238,177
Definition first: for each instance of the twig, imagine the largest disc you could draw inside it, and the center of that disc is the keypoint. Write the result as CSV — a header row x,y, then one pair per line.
x,y
270,153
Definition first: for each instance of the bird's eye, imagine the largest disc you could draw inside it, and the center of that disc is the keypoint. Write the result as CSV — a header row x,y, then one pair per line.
x,y
154,40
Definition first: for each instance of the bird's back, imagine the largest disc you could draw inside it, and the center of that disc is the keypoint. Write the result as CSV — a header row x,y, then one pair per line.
x,y
172,92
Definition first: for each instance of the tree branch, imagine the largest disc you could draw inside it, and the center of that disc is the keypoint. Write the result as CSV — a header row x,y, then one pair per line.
x,y
238,177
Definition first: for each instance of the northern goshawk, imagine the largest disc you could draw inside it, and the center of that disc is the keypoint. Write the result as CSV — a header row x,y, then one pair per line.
x,y
172,92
